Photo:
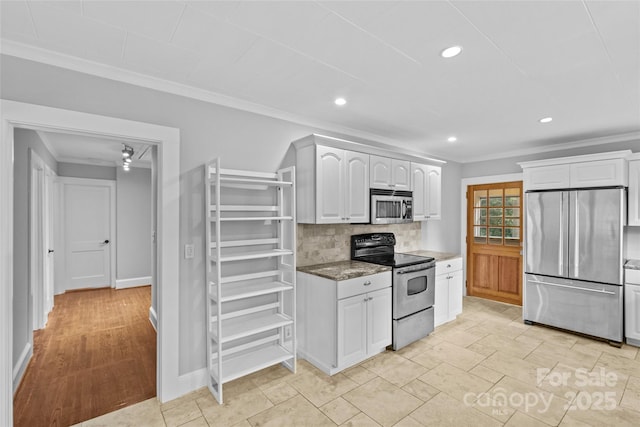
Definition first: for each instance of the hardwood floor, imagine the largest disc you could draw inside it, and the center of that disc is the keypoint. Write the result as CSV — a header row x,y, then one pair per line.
x,y
96,355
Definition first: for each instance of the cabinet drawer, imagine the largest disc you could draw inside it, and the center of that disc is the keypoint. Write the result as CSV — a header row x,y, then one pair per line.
x,y
360,285
448,266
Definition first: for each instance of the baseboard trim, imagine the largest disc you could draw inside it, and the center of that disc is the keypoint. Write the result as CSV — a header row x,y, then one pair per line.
x,y
192,381
133,283
153,318
21,365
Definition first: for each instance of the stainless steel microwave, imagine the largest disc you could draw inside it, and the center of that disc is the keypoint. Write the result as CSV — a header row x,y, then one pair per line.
x,y
391,206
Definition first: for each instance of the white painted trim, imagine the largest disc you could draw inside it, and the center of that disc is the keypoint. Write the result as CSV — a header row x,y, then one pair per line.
x,y
464,183
21,365
17,114
611,139
32,53
153,318
193,381
47,143
133,282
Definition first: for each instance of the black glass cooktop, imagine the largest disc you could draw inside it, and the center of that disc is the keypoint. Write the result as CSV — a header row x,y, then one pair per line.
x,y
395,260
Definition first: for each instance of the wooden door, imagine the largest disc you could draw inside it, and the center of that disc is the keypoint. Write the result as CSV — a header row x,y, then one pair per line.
x,y
494,241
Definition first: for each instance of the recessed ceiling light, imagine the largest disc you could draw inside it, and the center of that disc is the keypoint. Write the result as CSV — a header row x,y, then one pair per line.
x,y
545,119
450,52
452,139
340,101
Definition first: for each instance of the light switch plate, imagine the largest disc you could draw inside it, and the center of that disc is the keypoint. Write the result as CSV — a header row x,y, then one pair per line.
x,y
188,251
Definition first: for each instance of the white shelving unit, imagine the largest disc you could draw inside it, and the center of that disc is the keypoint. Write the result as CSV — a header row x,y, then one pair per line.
x,y
251,278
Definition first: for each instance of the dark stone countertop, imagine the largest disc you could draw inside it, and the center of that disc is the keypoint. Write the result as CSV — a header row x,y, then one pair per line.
x,y
343,270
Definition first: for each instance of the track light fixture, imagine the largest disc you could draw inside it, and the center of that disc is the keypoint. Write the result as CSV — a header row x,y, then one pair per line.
x,y
127,154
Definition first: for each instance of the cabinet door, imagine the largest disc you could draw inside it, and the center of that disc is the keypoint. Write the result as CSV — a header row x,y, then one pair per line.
x,y
455,294
400,175
600,173
632,311
441,301
634,192
547,177
330,185
433,197
357,187
352,330
378,320
419,181
379,172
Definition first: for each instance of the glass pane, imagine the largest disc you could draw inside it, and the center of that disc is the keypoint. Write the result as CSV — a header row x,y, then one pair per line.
x,y
495,212
511,222
495,220
480,216
480,198
480,234
495,197
512,236
512,201
495,236
512,212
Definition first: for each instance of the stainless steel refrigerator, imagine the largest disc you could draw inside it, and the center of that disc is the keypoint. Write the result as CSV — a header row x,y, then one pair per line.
x,y
574,260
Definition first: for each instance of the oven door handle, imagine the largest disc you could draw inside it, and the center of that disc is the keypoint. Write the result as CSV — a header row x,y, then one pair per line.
x,y
414,271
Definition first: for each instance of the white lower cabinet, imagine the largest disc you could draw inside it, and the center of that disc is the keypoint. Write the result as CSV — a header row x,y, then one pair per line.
x,y
342,323
634,192
632,307
448,294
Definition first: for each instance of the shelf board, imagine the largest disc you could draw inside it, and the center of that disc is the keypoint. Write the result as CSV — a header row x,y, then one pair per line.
x,y
237,366
253,255
252,218
241,291
244,208
252,242
251,181
244,326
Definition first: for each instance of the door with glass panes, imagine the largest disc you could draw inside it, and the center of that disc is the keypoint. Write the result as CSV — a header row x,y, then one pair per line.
x,y
494,241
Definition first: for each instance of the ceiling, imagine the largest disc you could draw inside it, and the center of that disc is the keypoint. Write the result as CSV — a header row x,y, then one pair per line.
x,y
94,150
575,61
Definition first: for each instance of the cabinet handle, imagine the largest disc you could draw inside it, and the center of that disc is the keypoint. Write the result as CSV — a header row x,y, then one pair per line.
x,y
366,299
367,283
448,265
392,185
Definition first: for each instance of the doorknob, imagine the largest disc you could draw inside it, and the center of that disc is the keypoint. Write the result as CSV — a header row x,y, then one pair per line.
x,y
106,241
50,251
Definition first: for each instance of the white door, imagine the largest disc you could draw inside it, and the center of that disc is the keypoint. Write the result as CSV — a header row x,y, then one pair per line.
x,y
357,184
419,179
379,320
400,175
352,330
37,249
434,192
88,223
49,239
330,185
380,172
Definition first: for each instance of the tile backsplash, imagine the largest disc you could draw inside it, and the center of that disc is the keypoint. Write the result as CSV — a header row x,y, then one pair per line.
x,y
322,243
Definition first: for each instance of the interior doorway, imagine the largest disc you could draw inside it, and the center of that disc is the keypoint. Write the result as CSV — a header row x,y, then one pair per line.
x,y
494,241
20,115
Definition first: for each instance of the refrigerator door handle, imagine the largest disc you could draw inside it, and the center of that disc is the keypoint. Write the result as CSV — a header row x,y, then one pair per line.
x,y
597,291
574,235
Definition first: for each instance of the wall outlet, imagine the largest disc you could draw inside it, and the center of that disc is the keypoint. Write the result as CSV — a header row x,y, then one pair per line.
x,y
189,251
287,331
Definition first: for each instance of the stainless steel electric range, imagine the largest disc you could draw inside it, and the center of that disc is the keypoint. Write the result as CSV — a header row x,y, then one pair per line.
x,y
413,285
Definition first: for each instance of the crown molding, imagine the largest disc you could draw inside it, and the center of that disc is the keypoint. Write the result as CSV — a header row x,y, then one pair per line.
x,y
49,57
610,139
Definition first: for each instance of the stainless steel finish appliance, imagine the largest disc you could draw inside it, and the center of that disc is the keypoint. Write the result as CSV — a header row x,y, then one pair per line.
x,y
413,286
391,206
574,260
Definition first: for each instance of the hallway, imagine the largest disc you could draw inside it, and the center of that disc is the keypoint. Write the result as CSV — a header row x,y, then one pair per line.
x,y
96,355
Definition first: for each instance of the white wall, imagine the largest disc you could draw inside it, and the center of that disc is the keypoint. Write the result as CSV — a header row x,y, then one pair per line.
x,y
133,224
75,170
22,303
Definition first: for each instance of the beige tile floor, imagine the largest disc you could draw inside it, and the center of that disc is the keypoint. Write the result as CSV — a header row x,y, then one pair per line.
x,y
486,368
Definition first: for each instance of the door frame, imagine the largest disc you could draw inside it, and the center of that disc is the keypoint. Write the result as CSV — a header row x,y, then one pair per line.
x,y
167,139
64,180
465,182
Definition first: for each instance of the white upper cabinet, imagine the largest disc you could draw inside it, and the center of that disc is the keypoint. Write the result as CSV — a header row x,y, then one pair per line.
x,y
390,174
592,170
338,191
427,191
634,192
